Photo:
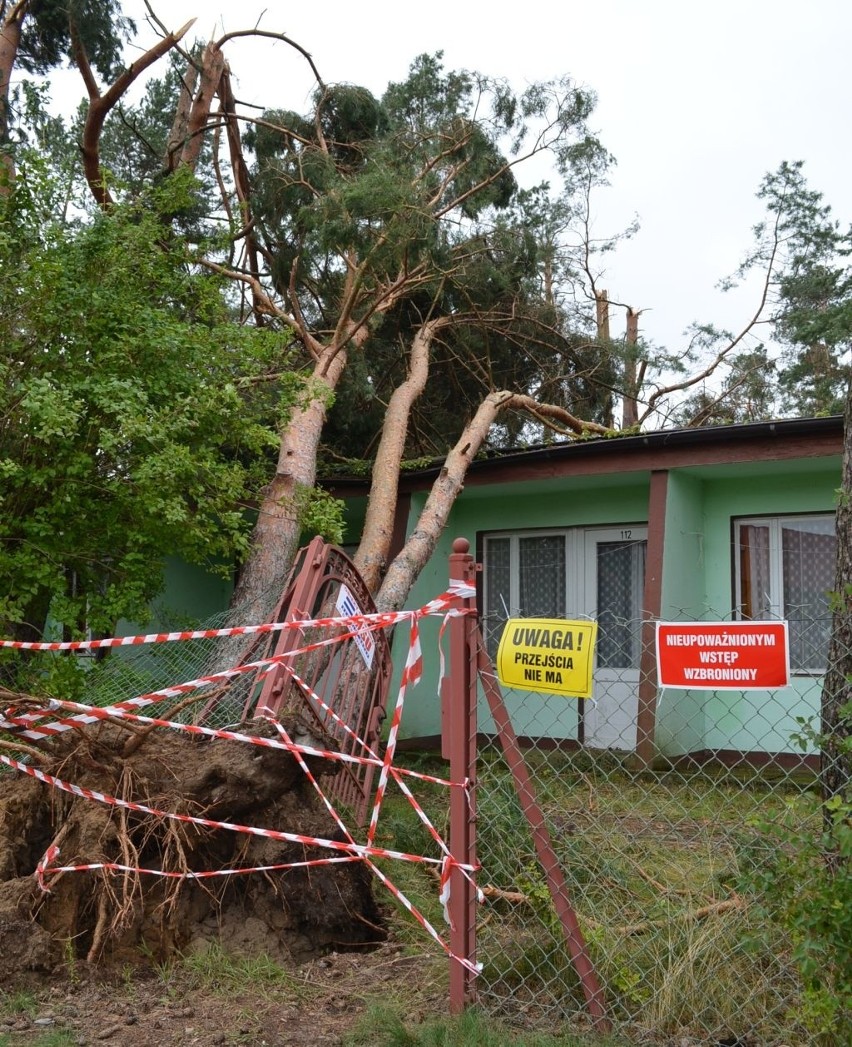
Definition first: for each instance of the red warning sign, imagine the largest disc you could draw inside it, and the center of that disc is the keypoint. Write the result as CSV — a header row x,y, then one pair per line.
x,y
714,656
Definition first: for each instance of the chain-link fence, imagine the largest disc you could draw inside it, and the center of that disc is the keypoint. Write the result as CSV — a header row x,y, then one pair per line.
x,y
666,861
131,671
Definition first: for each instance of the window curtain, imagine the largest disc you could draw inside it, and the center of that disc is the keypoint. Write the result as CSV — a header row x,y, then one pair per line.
x,y
755,588
808,552
620,587
541,562
498,597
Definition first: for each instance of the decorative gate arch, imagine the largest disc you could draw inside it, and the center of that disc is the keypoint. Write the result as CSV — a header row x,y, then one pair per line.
x,y
352,679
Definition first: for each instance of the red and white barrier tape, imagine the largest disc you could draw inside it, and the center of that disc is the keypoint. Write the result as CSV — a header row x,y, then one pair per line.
x,y
360,850
395,891
353,624
397,773
45,868
414,653
112,713
175,691
371,755
357,622
413,664
354,852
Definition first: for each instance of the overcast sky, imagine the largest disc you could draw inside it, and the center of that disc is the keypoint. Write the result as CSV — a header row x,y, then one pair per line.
x,y
696,101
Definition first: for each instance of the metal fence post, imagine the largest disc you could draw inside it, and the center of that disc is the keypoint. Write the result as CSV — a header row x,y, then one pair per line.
x,y
459,718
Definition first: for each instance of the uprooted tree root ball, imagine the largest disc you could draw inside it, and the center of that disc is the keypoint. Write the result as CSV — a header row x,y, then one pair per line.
x,y
109,917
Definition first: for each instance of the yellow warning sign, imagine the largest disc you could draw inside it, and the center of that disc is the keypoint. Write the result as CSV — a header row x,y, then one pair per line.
x,y
551,655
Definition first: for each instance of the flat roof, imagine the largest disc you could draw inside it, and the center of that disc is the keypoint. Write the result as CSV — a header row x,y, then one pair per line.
x,y
669,448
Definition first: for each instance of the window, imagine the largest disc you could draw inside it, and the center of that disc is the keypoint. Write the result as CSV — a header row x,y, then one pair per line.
x,y
620,583
576,572
524,576
785,569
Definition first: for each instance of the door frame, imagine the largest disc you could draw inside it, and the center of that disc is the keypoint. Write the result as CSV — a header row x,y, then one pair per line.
x,y
580,572
593,536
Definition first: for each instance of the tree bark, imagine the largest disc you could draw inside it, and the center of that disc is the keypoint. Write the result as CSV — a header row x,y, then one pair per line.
x,y
212,68
629,405
10,40
242,188
420,545
835,755
602,315
180,124
374,548
275,538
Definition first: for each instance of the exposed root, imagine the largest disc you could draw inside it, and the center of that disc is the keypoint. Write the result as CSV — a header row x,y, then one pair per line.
x,y
142,732
19,748
128,911
101,931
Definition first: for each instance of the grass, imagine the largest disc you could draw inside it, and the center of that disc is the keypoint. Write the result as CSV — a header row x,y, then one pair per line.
x,y
386,1027
18,1002
53,1038
21,1003
216,971
653,863
644,855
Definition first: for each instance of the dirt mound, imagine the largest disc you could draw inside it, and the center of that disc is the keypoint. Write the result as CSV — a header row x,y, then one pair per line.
x,y
112,917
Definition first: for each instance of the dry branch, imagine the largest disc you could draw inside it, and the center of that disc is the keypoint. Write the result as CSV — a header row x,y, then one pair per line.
x,y
101,104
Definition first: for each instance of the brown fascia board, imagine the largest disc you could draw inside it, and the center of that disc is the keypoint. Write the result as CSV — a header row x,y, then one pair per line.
x,y
668,449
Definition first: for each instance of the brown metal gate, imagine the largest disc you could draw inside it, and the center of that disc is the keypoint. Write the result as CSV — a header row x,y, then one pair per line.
x,y
350,677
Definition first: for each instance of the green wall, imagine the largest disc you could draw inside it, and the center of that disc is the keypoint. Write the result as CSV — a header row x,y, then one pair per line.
x,y
680,714
697,584
191,595
556,503
761,721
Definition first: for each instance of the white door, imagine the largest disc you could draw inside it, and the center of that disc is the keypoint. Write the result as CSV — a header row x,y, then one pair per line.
x,y
614,582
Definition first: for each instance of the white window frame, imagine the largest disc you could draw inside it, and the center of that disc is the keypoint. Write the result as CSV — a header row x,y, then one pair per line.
x,y
777,610
579,562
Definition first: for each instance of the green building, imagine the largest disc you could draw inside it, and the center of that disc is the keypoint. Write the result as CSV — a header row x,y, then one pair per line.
x,y
714,524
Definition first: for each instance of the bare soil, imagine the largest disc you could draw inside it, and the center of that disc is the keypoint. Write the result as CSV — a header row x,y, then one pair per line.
x,y
319,1003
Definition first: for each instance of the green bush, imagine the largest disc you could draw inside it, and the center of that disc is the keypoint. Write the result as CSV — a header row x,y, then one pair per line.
x,y
805,886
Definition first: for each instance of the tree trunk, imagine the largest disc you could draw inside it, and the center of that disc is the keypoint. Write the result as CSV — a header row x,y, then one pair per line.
x,y
10,39
602,315
242,187
212,67
180,124
420,545
275,539
629,406
372,556
836,757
